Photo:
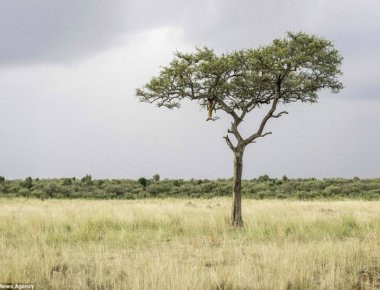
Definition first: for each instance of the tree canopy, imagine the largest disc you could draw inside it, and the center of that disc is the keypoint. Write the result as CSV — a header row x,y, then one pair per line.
x,y
291,69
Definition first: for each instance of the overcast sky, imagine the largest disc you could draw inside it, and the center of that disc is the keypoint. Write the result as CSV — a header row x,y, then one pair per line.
x,y
69,69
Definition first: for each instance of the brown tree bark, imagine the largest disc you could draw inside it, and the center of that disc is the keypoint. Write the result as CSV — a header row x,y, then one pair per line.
x,y
236,217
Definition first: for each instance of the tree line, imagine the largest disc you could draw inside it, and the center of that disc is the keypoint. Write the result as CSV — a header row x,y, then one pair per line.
x,y
263,187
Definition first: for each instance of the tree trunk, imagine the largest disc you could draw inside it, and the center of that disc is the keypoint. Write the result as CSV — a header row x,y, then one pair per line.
x,y
236,217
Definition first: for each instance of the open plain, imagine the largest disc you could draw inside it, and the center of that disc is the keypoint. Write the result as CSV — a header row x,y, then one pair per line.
x,y
189,244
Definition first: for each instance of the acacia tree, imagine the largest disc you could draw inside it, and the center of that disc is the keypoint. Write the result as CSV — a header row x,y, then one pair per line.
x,y
288,70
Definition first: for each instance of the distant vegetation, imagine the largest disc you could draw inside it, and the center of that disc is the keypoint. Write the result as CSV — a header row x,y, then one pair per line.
x,y
262,187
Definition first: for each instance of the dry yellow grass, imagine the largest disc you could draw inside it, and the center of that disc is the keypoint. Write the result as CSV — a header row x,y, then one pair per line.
x,y
172,244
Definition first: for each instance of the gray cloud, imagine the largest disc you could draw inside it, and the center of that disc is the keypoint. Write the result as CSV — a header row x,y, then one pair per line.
x,y
83,117
44,31
66,31
59,31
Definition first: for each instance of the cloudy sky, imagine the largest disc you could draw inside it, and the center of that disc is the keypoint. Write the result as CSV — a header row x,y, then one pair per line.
x,y
69,69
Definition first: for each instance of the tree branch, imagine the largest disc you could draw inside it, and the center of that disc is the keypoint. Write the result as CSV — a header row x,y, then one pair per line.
x,y
234,130
227,109
279,114
259,132
229,143
263,135
263,123
259,136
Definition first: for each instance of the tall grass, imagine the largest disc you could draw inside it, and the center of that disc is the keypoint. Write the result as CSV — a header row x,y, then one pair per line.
x,y
175,244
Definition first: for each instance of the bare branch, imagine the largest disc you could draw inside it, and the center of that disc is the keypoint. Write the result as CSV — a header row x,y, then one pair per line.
x,y
263,135
245,111
263,123
259,132
279,114
259,136
234,130
229,143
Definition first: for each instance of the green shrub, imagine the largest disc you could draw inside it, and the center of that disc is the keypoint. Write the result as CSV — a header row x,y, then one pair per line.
x,y
24,192
28,183
39,194
331,190
263,178
156,177
177,182
281,195
99,182
67,182
87,179
156,189
51,189
143,181
129,196
100,193
117,190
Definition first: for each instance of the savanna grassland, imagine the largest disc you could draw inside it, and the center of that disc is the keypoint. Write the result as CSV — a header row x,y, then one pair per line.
x,y
181,244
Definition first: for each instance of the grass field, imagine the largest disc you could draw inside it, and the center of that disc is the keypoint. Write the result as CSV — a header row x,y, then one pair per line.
x,y
179,244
